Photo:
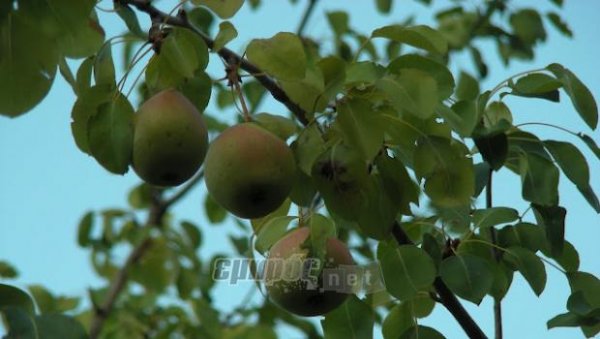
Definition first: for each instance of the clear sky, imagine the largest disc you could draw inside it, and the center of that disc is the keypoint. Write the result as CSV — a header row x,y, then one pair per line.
x,y
47,184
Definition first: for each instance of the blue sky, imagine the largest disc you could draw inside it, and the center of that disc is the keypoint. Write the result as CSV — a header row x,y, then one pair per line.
x,y
46,183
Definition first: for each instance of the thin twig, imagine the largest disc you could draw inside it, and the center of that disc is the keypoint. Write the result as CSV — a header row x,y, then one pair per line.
x,y
496,254
117,285
309,9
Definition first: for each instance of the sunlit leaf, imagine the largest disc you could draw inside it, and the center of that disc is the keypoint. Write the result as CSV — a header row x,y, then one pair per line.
x,y
227,32
421,36
281,56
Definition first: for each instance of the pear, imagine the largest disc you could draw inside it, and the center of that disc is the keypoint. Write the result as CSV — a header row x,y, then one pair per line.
x,y
288,280
249,170
170,139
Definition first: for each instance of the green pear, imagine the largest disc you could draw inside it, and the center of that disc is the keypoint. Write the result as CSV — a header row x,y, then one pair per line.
x,y
170,139
287,275
249,170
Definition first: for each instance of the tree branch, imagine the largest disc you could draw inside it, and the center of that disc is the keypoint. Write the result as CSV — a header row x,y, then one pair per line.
x,y
102,311
448,299
226,54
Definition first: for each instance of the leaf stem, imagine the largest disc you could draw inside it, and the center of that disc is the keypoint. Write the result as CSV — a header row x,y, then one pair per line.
x,y
496,254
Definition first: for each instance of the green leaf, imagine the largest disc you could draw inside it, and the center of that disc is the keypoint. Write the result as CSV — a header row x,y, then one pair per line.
x,y
280,126
282,210
7,271
489,217
197,89
539,178
321,229
51,326
406,269
528,26
568,259
84,230
463,116
104,68
84,75
271,232
580,95
338,20
86,106
379,209
18,323
129,17
574,166
214,212
361,127
85,40
67,74
363,72
482,172
192,232
588,285
467,88
552,219
186,50
303,190
469,276
441,74
559,24
412,91
225,9
227,32
493,149
341,176
157,268
140,196
421,332
281,56
398,320
110,135
421,36
536,83
590,143
525,235
495,112
531,267
479,62
27,65
353,319
384,6
448,172
14,297
401,189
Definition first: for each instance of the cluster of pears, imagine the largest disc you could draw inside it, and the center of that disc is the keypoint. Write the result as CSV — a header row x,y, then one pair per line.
x,y
248,170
